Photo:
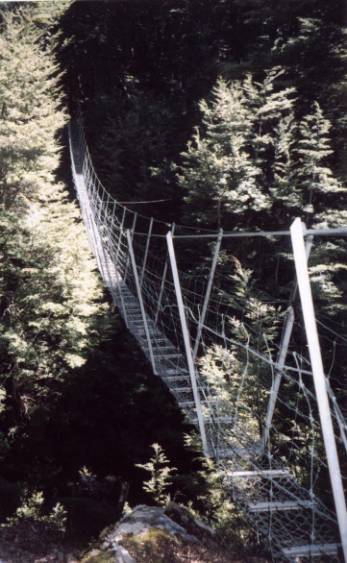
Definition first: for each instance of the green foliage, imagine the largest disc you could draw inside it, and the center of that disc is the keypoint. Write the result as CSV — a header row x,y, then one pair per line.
x,y
313,49
233,373
253,158
314,176
213,503
218,173
50,297
160,475
32,511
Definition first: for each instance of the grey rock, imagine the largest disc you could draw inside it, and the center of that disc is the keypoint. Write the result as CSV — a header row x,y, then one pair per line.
x,y
138,522
141,520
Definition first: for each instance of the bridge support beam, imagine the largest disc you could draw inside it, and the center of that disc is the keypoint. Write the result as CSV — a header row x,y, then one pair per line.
x,y
139,296
187,342
116,261
207,293
163,280
132,231
282,356
297,231
149,234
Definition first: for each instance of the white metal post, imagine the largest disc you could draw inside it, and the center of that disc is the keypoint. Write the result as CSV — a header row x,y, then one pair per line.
x,y
132,235
288,329
161,291
113,215
101,224
163,280
103,260
87,219
120,237
146,250
297,231
110,223
105,205
207,293
96,241
281,360
125,317
139,295
187,342
85,168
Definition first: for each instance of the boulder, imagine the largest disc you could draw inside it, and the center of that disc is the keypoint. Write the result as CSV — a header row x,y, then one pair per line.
x,y
145,524
143,519
151,534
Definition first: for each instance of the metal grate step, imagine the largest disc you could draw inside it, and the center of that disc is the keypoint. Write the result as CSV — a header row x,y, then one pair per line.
x,y
311,550
287,505
175,378
176,372
268,473
216,419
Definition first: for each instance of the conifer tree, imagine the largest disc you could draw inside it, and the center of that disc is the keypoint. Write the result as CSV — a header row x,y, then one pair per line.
x,y
218,175
323,198
50,297
231,158
252,159
315,177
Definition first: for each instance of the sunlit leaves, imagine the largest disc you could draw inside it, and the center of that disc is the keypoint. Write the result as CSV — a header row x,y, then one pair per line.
x,y
50,297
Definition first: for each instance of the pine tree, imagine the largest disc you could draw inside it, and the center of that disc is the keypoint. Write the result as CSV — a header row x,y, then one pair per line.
x,y
315,177
246,126
311,45
323,196
50,297
255,160
283,187
217,174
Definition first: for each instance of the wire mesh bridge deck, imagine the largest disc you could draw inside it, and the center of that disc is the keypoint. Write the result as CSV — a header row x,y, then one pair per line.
x,y
180,321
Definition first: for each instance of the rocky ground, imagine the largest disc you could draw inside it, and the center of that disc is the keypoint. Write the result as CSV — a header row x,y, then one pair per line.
x,y
146,535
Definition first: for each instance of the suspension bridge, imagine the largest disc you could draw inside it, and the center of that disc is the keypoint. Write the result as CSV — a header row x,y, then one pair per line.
x,y
232,382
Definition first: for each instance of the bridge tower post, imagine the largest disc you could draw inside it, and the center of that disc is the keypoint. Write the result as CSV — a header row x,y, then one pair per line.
x,y
140,298
163,280
282,355
132,230
208,292
144,263
116,261
187,342
297,231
